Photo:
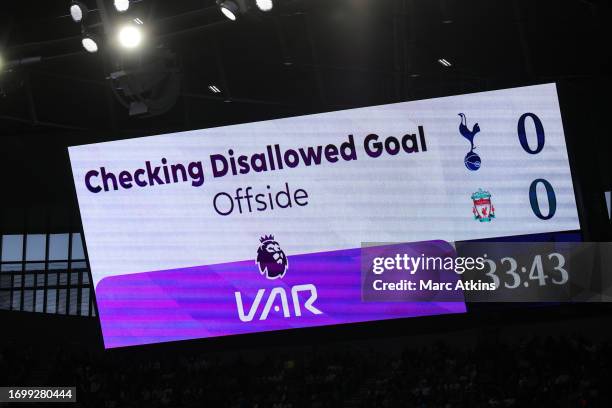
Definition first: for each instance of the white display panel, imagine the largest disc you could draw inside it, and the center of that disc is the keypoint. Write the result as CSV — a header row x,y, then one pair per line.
x,y
404,197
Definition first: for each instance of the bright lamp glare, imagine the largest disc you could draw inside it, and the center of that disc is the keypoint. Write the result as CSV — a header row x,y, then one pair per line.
x,y
228,13
76,12
130,36
264,5
89,44
122,5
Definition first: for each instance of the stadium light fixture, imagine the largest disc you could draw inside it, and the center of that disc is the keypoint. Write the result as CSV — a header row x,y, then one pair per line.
x,y
130,36
444,62
229,8
233,9
90,43
78,11
264,5
122,5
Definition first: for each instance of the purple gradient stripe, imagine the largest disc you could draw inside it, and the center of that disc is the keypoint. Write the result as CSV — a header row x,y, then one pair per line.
x,y
199,302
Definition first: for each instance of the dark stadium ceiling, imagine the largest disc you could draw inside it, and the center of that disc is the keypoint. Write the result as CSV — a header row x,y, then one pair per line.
x,y
308,56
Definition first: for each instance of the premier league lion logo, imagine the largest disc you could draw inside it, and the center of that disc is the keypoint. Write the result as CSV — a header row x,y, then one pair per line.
x,y
271,259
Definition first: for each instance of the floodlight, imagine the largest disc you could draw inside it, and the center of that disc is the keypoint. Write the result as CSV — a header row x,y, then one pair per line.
x,y
78,11
90,43
130,36
264,5
122,5
229,9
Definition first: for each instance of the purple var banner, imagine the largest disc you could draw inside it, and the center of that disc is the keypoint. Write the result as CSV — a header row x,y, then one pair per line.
x,y
273,292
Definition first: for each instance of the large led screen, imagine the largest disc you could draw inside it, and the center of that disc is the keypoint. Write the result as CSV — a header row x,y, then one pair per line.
x,y
258,227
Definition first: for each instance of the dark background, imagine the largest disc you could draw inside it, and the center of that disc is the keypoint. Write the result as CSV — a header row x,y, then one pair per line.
x,y
308,57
